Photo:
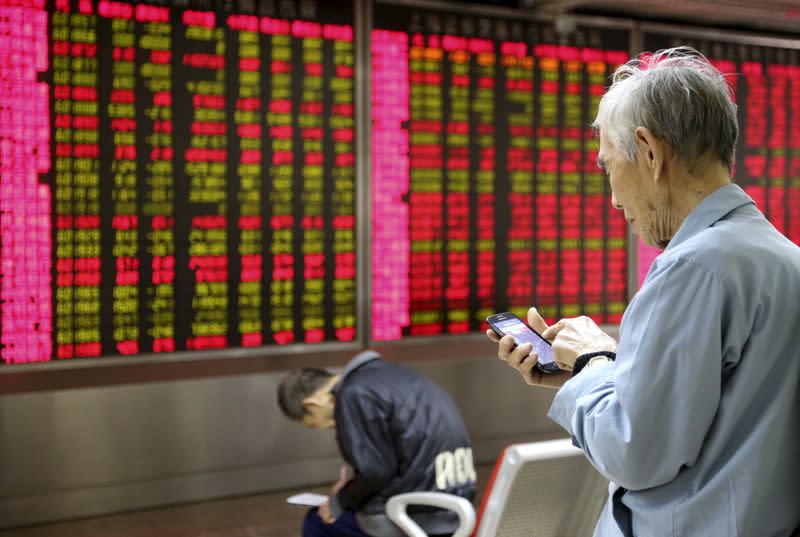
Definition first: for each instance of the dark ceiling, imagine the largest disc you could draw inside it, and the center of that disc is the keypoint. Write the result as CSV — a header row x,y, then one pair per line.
x,y
781,16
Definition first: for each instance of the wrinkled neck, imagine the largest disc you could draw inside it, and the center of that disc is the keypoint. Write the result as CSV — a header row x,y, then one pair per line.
x,y
682,194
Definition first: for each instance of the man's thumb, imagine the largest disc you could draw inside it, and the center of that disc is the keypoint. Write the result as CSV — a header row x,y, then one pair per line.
x,y
535,321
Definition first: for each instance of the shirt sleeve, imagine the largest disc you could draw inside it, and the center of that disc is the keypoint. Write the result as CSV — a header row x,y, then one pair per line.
x,y
367,445
641,419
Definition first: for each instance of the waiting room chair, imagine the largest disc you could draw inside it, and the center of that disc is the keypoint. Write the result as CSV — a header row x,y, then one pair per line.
x,y
540,489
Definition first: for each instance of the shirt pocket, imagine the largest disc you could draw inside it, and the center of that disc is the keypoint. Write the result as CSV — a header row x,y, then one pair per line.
x,y
709,512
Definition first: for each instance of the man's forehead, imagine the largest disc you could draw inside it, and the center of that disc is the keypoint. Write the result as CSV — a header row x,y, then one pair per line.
x,y
601,153
603,147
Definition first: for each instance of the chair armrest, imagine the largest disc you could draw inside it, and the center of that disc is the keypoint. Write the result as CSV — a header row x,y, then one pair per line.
x,y
397,505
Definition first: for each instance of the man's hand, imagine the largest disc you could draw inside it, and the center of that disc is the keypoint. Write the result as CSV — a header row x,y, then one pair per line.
x,y
523,360
342,481
324,513
573,337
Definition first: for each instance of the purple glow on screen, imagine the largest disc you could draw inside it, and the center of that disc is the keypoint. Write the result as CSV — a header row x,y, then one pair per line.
x,y
390,182
25,295
647,255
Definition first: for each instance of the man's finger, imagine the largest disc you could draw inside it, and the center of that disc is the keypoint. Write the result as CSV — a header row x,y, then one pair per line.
x,y
324,513
528,369
518,355
493,335
551,333
535,321
506,345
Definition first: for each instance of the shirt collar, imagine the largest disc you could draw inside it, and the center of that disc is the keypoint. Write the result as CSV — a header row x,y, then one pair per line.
x,y
357,361
712,209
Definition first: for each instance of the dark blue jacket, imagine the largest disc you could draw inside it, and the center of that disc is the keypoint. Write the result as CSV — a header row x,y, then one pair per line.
x,y
401,433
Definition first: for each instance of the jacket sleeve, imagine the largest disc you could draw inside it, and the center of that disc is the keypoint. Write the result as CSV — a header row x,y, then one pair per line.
x,y
643,418
366,443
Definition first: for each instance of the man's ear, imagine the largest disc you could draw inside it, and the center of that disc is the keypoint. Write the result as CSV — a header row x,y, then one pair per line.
x,y
652,150
313,400
317,399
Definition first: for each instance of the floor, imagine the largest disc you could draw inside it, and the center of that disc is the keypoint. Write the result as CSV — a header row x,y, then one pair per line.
x,y
264,515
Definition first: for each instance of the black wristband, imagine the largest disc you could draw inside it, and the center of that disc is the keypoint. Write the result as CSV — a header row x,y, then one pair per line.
x,y
583,359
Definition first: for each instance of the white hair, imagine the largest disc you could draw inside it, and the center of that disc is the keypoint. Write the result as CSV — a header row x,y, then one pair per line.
x,y
680,97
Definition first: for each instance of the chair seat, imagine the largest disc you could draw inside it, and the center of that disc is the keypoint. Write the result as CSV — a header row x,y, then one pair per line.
x,y
539,489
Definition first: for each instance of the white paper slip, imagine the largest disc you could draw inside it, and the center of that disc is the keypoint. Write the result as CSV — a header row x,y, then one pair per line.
x,y
308,499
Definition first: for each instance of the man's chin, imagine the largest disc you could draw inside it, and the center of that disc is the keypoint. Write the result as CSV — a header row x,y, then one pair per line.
x,y
660,245
652,242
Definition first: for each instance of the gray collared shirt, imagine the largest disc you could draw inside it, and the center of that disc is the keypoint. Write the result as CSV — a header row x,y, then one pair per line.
x,y
357,361
699,417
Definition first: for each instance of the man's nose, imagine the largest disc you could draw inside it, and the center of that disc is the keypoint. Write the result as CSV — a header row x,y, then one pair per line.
x,y
615,203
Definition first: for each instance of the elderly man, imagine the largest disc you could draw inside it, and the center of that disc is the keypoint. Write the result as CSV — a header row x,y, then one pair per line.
x,y
695,416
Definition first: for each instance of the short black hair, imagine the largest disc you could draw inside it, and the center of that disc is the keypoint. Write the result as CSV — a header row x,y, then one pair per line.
x,y
298,385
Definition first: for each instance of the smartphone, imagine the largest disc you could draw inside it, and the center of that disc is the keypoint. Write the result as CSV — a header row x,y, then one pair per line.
x,y
508,324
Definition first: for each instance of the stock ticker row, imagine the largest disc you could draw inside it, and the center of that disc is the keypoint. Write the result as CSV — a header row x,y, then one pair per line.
x,y
184,176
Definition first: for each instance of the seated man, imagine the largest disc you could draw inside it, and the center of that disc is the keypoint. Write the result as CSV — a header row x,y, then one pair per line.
x,y
398,430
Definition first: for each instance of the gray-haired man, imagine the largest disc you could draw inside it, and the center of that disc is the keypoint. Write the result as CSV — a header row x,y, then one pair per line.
x,y
697,421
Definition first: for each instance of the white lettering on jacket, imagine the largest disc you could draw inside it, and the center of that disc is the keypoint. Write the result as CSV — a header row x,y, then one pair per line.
x,y
454,468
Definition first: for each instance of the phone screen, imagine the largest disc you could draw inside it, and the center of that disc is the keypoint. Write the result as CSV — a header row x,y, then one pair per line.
x,y
522,334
